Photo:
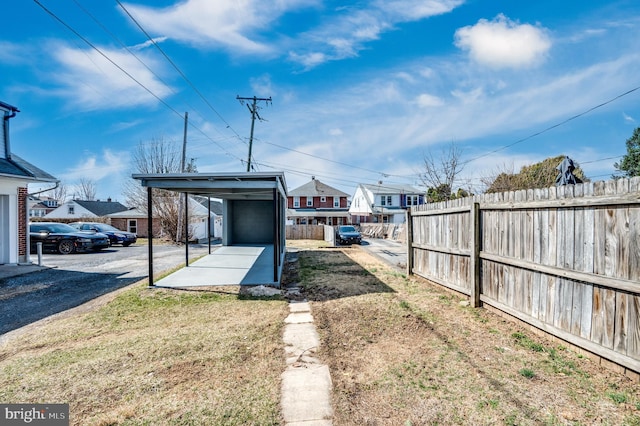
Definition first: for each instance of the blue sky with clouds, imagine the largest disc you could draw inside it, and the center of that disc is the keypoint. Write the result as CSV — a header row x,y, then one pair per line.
x,y
361,91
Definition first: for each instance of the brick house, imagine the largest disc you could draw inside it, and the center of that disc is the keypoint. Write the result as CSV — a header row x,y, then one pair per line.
x,y
15,175
316,203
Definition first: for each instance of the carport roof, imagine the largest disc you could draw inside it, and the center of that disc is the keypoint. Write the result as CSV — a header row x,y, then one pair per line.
x,y
228,186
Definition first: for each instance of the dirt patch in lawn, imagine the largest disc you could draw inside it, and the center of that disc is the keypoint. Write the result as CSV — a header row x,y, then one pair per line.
x,y
403,351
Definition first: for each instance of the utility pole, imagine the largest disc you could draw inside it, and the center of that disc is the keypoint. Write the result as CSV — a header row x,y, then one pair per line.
x,y
182,166
184,142
253,109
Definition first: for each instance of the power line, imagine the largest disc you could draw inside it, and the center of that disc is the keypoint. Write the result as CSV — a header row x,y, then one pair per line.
x,y
124,46
195,89
555,125
54,16
104,55
330,161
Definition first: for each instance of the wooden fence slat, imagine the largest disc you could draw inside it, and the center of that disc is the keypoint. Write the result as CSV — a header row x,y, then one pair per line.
x,y
633,346
621,323
586,305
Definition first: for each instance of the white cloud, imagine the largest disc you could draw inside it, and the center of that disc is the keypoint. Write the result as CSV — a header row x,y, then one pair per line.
x,y
148,43
378,116
263,86
503,43
426,100
90,82
230,24
351,29
12,53
628,118
336,132
107,170
97,167
240,26
309,60
468,96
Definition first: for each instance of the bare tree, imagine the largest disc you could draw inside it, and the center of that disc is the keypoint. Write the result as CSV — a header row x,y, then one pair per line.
x,y
158,156
441,174
86,190
58,193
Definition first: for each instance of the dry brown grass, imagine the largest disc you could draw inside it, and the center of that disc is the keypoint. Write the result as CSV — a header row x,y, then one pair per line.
x,y
155,357
400,351
405,352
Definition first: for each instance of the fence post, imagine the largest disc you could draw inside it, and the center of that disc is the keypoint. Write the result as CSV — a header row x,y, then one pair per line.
x,y
409,242
474,263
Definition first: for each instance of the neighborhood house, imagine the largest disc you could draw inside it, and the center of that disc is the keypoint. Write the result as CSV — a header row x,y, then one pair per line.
x,y
316,203
383,203
15,176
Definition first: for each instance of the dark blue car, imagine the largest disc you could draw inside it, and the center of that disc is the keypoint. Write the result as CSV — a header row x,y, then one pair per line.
x,y
347,234
64,239
115,235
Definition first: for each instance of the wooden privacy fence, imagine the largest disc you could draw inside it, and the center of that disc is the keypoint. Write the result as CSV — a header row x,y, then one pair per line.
x,y
304,232
565,260
392,231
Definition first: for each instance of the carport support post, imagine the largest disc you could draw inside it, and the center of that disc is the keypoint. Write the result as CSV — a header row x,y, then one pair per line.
x,y
409,242
209,222
150,234
186,228
276,231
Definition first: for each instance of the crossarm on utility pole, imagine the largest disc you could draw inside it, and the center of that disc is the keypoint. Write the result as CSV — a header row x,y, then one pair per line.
x,y
253,109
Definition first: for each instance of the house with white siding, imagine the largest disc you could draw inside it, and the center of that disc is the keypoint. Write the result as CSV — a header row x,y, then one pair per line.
x,y
383,203
82,209
15,176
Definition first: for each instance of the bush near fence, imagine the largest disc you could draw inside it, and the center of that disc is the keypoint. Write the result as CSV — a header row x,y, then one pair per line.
x,y
565,260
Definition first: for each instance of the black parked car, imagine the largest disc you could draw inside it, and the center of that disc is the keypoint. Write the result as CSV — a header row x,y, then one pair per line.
x,y
347,234
115,235
64,239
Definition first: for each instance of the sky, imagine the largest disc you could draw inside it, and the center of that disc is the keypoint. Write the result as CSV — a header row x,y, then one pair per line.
x,y
361,91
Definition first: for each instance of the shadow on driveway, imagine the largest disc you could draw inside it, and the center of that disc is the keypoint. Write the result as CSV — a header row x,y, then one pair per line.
x,y
31,297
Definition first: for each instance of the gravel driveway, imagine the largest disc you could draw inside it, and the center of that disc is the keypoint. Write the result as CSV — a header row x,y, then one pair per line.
x,y
74,279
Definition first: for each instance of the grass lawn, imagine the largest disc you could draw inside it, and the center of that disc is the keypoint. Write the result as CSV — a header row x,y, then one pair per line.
x,y
402,351
155,357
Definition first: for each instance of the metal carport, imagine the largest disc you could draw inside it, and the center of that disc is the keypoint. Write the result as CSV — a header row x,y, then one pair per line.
x,y
254,211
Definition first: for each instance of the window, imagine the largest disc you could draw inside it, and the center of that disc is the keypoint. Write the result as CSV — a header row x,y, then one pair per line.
x,y
132,225
385,200
71,210
336,202
323,199
309,202
296,202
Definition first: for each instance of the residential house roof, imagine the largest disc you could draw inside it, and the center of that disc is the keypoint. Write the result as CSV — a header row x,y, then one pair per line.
x,y
8,107
315,188
22,168
385,188
102,208
132,213
215,205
